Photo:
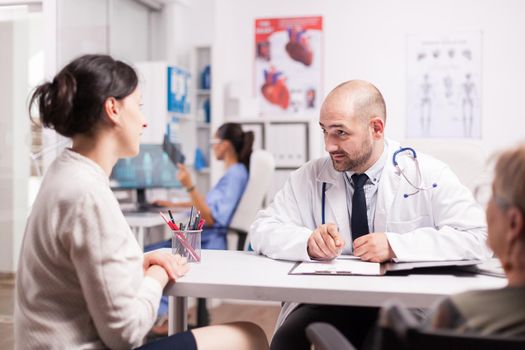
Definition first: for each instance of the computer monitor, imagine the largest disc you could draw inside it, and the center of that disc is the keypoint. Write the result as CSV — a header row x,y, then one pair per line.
x,y
151,168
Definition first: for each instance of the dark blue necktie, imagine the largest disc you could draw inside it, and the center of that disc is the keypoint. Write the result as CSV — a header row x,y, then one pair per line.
x,y
359,220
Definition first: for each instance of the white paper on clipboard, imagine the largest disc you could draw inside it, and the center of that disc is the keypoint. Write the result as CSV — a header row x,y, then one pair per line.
x,y
339,266
350,265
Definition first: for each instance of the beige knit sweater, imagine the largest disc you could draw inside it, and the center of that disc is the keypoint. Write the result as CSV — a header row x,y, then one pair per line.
x,y
80,282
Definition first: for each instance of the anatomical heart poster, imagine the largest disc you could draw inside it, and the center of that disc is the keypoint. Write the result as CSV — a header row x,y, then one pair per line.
x,y
288,61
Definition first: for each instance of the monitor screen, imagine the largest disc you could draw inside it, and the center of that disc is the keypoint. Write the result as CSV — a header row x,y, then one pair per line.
x,y
151,168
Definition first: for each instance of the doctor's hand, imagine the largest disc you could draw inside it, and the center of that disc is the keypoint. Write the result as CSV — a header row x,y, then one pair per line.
x,y
373,247
184,176
325,243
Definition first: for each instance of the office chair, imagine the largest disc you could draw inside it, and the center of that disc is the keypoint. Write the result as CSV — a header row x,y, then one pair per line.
x,y
262,168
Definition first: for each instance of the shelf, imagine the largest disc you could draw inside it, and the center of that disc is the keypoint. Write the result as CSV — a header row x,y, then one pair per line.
x,y
203,92
179,117
203,125
203,171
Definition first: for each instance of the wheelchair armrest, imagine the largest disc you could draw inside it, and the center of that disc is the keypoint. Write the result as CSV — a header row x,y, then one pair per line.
x,y
397,318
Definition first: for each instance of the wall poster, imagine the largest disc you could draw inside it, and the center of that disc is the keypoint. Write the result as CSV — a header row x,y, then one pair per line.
x,y
288,61
443,85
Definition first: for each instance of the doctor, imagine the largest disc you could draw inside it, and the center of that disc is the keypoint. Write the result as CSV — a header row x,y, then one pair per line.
x,y
359,202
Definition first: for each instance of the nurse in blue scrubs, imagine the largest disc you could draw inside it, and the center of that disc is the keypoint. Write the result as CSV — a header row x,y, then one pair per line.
x,y
233,146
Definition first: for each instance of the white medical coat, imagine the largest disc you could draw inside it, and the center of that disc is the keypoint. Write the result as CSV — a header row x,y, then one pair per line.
x,y
442,223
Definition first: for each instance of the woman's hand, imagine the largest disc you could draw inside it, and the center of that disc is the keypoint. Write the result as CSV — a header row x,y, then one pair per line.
x,y
184,176
174,265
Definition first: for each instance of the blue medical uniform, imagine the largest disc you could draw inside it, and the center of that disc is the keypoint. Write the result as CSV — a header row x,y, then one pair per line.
x,y
222,201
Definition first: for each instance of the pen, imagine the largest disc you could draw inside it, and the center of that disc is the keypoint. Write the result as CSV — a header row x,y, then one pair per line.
x,y
191,215
170,224
196,221
171,216
201,224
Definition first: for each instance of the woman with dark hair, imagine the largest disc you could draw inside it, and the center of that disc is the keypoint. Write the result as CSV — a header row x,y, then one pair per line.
x,y
233,146
82,279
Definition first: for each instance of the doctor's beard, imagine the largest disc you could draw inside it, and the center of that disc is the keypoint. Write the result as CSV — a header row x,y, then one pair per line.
x,y
354,160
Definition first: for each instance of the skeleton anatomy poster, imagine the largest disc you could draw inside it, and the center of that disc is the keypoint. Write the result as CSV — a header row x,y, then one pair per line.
x,y
443,85
288,65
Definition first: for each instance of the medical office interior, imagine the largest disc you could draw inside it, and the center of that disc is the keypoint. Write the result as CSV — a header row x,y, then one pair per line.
x,y
451,73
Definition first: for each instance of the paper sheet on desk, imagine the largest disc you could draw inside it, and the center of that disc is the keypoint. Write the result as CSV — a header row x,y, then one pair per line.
x,y
339,266
350,265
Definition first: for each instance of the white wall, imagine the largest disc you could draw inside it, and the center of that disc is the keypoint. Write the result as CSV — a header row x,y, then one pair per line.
x,y
183,26
17,64
82,27
367,40
201,17
6,173
118,27
129,31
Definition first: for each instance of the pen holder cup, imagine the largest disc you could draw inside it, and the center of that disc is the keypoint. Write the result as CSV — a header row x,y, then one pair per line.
x,y
187,244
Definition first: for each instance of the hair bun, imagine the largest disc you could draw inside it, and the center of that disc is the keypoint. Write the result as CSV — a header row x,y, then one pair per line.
x,y
65,89
73,102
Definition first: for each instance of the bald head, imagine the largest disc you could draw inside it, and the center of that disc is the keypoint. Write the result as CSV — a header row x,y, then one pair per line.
x,y
357,98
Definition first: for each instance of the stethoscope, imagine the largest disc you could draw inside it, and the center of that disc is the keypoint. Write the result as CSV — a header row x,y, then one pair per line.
x,y
417,188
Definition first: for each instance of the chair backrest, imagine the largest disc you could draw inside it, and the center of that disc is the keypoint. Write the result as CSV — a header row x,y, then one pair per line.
x,y
466,158
262,168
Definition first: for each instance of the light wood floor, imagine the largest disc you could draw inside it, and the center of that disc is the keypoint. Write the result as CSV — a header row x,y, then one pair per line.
x,y
263,315
6,313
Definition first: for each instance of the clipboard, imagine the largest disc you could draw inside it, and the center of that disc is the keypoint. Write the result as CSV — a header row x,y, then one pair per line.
x,y
353,266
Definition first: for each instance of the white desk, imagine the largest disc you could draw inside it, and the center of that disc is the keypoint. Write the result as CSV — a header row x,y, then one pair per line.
x,y
245,275
146,220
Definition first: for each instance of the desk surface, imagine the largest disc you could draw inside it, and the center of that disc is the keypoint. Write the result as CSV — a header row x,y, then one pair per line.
x,y
245,275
